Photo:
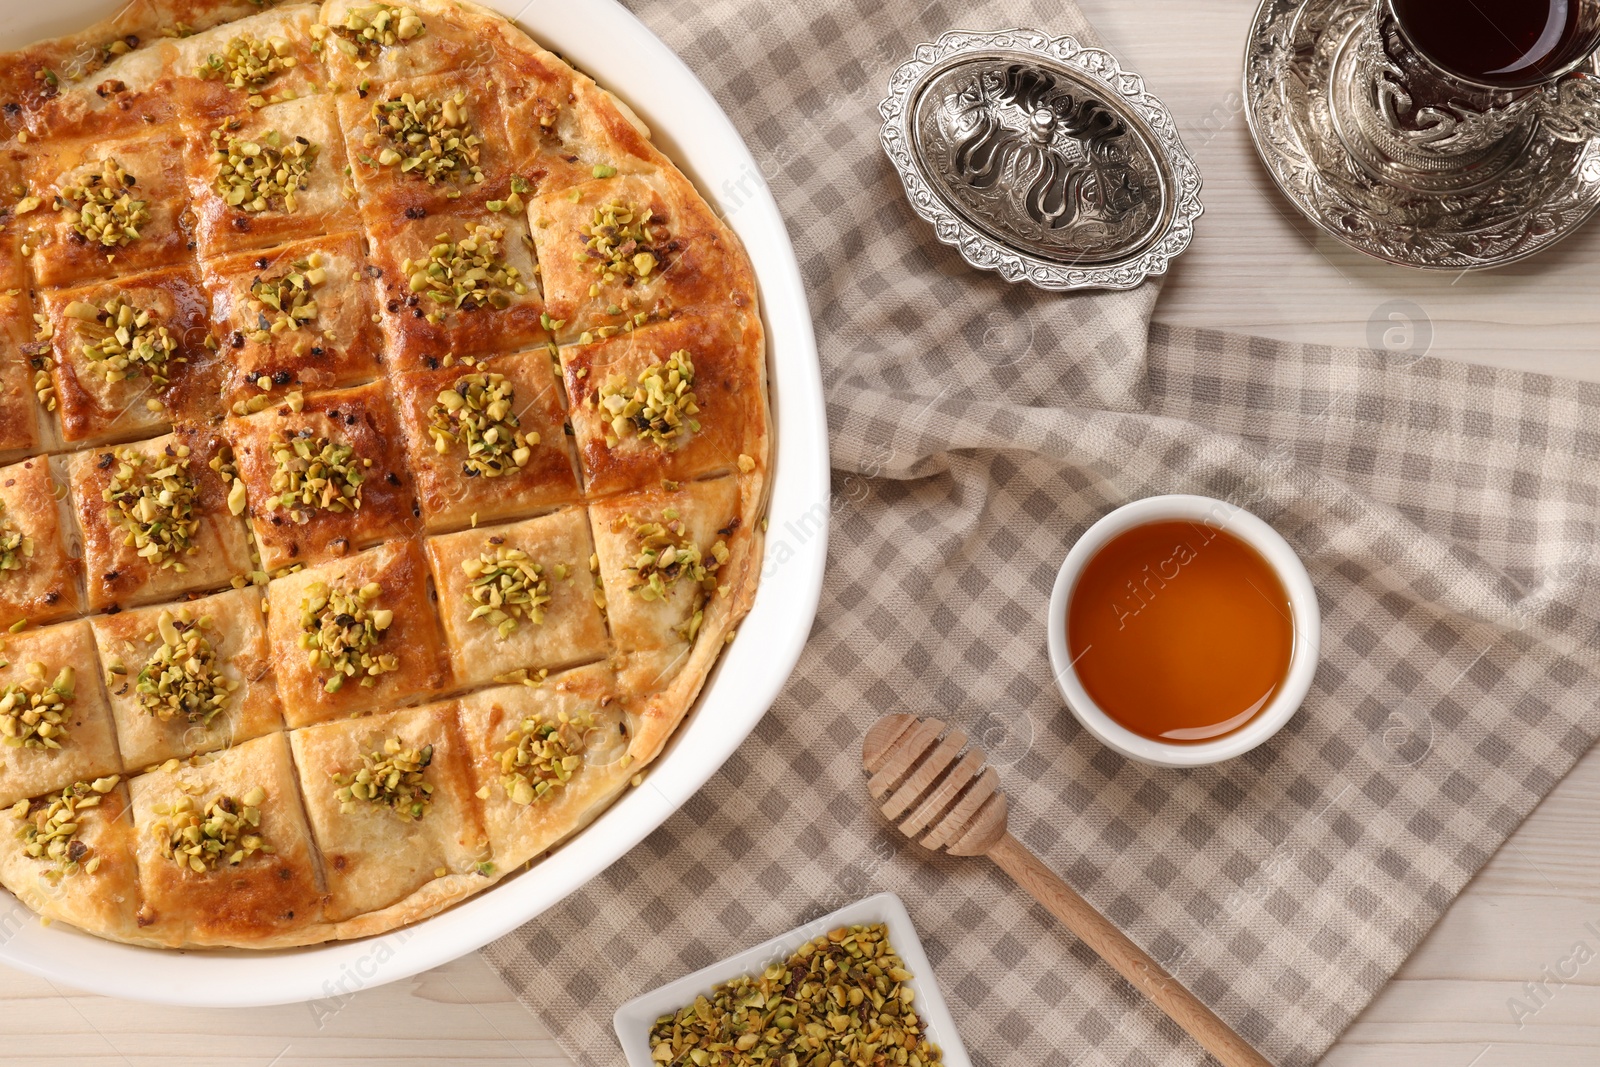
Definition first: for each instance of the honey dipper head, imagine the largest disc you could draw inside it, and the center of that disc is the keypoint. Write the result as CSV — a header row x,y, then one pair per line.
x,y
930,785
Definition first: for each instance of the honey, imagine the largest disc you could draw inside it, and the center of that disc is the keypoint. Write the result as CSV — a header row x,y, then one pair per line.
x,y
1180,631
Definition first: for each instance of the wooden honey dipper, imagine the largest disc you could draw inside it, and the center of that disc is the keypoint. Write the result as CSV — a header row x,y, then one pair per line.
x,y
941,795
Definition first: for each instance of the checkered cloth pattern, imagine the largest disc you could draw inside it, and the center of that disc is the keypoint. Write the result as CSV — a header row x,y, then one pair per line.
x,y
1447,515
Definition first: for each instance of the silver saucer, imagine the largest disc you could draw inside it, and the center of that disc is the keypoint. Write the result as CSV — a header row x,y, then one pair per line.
x,y
1041,159
1407,169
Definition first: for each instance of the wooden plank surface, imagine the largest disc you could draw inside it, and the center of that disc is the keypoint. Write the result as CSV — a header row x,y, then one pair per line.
x,y
1475,995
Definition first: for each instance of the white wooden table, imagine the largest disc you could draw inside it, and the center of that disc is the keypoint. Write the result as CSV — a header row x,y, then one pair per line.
x,y
1255,267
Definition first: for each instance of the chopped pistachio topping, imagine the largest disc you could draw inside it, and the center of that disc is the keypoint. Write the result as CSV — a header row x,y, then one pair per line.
x,y
33,712
249,64
369,29
223,463
102,209
479,414
428,138
182,678
506,586
467,274
16,547
122,340
315,474
660,407
226,832
542,756
392,777
667,553
340,631
50,827
843,998
288,302
255,176
44,385
623,243
153,500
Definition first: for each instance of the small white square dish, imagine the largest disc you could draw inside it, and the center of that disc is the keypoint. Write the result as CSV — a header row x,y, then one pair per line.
x,y
634,1019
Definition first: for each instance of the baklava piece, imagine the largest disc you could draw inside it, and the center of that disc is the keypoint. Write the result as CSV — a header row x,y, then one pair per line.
x,y
518,598
565,129
457,283
619,252
324,475
390,799
678,400
486,440
26,386
355,634
130,355
375,43
421,144
55,727
296,317
96,82
187,678
546,758
38,567
268,58
108,208
661,554
267,176
157,519
68,855
224,854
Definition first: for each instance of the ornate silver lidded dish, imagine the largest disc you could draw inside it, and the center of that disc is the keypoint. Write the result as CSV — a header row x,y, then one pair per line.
x,y
1041,159
1405,163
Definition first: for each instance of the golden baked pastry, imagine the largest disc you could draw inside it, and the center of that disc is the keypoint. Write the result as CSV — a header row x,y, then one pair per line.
x,y
383,455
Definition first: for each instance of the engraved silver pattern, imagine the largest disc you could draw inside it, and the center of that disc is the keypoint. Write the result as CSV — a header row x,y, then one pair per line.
x,y
1041,159
1406,164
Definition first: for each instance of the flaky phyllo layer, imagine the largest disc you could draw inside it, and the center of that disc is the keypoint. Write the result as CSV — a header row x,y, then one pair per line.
x,y
383,451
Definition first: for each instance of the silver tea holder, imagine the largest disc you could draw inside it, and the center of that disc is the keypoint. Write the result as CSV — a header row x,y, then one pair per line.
x,y
1041,159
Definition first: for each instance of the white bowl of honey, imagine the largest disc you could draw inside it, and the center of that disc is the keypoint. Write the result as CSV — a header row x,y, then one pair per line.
x,y
1183,631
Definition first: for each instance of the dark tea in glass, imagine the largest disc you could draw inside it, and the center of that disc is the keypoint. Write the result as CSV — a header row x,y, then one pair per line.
x,y
1508,44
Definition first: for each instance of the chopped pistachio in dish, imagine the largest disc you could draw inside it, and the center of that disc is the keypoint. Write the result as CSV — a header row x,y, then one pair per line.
x,y
843,998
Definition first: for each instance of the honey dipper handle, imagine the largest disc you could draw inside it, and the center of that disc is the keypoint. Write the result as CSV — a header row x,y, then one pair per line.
x,y
1131,961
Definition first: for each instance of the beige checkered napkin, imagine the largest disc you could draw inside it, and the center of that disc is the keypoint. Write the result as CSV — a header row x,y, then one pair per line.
x,y
1446,514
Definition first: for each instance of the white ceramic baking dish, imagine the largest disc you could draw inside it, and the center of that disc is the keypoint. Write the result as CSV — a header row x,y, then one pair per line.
x,y
606,41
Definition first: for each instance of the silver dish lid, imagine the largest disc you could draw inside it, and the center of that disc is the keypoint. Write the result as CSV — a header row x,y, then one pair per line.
x,y
1041,159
